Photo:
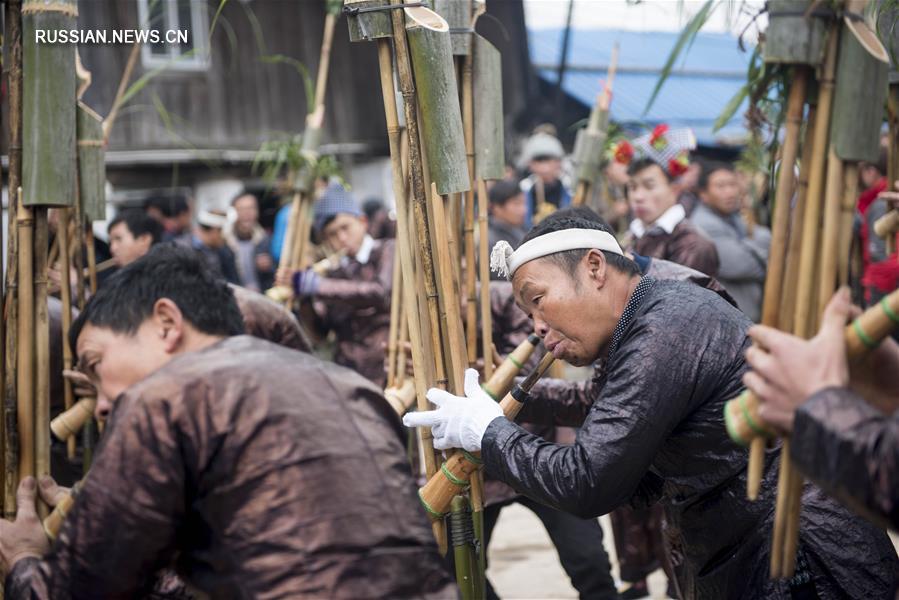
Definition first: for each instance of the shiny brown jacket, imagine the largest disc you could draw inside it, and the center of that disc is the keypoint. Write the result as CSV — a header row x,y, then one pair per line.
x,y
259,472
685,245
266,319
353,300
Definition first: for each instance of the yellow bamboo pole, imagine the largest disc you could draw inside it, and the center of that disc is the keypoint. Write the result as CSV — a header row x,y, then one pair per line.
x,y
65,293
486,314
25,366
850,196
471,308
41,335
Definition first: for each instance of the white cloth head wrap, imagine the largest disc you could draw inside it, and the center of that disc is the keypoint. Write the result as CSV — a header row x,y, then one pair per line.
x,y
505,261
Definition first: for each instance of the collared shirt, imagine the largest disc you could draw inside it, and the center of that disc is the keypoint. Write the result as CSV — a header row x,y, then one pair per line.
x,y
667,222
364,253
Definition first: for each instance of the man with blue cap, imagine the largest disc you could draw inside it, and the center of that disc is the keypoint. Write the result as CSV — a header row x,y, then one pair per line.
x,y
352,299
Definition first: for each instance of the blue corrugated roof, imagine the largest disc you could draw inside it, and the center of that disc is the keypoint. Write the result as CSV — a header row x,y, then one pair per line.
x,y
694,95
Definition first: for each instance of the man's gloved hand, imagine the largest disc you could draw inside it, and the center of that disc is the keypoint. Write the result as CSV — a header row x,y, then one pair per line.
x,y
458,422
305,283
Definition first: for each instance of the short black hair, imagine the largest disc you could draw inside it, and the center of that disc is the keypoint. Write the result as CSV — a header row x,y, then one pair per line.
x,y
580,212
503,191
127,298
644,163
169,206
570,259
138,223
712,167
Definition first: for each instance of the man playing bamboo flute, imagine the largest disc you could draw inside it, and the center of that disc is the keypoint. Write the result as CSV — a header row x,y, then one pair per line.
x,y
843,423
674,356
256,470
352,299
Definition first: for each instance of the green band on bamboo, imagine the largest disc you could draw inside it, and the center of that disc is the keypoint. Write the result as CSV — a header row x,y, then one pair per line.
x,y
489,393
453,479
889,311
472,458
731,429
515,362
868,342
752,424
431,511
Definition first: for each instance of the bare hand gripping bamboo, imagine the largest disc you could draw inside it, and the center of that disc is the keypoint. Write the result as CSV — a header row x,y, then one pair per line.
x,y
862,335
437,494
53,522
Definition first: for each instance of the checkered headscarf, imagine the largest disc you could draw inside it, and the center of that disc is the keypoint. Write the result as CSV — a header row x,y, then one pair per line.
x,y
334,201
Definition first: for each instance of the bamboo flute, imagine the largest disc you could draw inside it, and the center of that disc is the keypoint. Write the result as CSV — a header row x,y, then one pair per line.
x,y
12,63
484,265
850,196
25,370
65,293
776,266
423,368
41,349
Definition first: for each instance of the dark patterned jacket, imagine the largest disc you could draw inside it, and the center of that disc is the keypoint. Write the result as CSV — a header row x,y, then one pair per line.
x,y
675,358
685,245
260,472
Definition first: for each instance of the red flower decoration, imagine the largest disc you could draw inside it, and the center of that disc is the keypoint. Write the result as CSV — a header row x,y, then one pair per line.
x,y
657,139
678,166
624,152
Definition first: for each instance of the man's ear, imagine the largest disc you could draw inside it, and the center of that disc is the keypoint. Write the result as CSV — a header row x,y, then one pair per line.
x,y
596,264
169,323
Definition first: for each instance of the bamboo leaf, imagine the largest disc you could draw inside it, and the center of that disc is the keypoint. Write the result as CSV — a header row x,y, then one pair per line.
x,y
216,17
686,38
730,108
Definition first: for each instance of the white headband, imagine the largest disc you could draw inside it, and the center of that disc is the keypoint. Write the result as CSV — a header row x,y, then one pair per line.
x,y
505,261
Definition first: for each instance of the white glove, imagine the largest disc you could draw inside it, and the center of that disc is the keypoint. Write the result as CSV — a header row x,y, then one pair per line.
x,y
458,422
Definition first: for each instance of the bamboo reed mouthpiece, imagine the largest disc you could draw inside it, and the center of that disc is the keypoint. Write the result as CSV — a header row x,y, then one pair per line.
x,y
53,522
500,382
887,225
862,335
456,473
401,398
67,424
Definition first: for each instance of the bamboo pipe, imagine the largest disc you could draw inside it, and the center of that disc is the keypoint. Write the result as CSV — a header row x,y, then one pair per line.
x,y
887,225
25,367
471,316
484,266
791,275
92,267
65,292
41,335
99,267
12,63
401,398
830,251
456,472
401,348
499,384
598,122
395,316
53,523
862,335
423,369
120,92
814,199
463,547
79,244
66,425
850,195
776,266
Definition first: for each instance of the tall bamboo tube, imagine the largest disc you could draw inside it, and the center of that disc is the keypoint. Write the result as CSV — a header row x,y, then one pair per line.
x,y
830,249
463,547
776,260
471,312
25,367
65,293
41,348
12,63
423,368
850,196
78,255
91,258
791,275
484,265
396,315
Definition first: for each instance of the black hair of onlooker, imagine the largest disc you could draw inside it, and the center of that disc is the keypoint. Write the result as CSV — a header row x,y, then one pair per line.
x,y
503,191
138,223
644,163
710,168
168,206
127,298
570,259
